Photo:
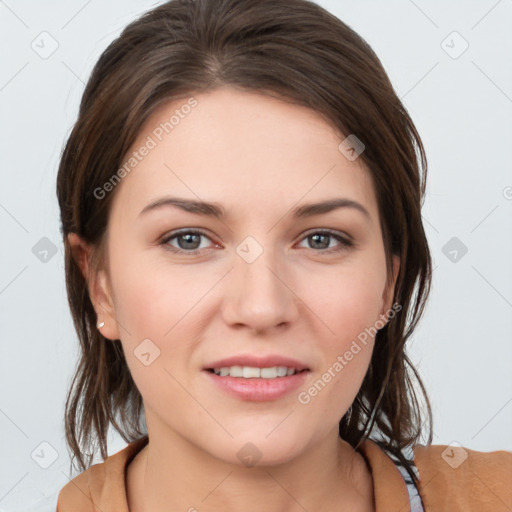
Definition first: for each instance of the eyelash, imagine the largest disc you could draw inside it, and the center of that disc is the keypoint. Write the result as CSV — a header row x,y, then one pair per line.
x,y
345,243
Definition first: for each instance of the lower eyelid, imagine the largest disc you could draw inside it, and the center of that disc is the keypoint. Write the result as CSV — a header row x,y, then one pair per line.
x,y
344,242
172,236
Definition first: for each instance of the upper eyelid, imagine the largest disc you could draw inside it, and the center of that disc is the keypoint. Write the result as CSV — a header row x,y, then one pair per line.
x,y
329,231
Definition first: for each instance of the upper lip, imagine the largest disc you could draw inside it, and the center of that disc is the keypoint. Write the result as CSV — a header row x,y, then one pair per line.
x,y
257,362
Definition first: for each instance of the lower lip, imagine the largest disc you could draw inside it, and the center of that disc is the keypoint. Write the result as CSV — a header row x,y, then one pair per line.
x,y
259,390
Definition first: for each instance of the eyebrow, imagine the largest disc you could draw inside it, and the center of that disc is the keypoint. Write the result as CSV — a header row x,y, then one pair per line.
x,y
216,210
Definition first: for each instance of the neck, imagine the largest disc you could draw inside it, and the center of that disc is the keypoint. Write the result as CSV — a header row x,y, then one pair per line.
x,y
172,474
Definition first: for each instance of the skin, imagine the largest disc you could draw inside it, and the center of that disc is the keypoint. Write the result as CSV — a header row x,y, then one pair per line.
x,y
259,157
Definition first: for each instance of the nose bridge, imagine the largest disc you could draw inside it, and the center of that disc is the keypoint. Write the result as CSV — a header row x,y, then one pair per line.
x,y
258,296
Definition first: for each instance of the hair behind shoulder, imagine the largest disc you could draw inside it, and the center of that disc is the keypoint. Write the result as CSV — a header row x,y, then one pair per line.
x,y
293,49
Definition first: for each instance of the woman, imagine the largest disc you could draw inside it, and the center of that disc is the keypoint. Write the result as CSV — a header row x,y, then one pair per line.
x,y
245,261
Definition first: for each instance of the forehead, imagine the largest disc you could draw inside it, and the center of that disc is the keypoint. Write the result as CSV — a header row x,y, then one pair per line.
x,y
242,147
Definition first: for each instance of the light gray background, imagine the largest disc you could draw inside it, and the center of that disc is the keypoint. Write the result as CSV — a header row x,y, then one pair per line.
x,y
462,107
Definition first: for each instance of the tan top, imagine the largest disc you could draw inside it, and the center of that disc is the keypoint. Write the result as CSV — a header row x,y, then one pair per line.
x,y
480,483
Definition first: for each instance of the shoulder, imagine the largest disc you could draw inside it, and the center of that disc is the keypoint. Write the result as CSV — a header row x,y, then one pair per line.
x,y
103,485
77,494
454,477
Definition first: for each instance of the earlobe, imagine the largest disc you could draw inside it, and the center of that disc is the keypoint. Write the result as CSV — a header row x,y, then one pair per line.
x,y
101,297
97,285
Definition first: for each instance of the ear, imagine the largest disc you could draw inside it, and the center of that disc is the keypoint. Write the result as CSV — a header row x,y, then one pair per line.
x,y
389,290
98,286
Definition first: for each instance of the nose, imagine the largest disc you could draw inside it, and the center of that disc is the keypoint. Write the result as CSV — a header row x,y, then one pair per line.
x,y
259,295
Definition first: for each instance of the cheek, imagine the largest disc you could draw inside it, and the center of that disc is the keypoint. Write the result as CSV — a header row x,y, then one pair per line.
x,y
348,303
349,299
161,305
152,294
149,311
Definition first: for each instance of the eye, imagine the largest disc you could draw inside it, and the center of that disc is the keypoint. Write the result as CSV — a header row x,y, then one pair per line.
x,y
187,240
322,239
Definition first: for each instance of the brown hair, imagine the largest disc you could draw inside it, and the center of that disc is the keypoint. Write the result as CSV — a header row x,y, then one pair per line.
x,y
293,49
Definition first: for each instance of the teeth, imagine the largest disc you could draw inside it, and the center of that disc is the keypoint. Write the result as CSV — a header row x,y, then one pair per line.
x,y
249,372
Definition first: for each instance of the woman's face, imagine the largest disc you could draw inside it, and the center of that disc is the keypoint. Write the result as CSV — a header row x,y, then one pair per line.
x,y
259,280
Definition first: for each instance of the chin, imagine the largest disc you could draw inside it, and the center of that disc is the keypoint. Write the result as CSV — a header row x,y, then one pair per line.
x,y
259,450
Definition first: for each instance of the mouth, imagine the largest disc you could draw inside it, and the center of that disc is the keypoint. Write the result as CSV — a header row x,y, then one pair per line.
x,y
252,372
252,366
257,378
255,384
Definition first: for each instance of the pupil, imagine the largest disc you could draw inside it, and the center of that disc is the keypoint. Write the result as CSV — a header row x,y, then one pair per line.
x,y
315,239
190,238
